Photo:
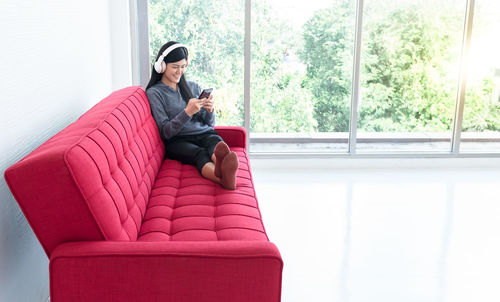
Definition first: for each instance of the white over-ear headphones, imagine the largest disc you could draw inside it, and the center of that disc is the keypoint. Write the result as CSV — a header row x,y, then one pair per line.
x,y
160,65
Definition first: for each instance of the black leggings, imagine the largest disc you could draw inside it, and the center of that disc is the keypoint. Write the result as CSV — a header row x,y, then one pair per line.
x,y
194,150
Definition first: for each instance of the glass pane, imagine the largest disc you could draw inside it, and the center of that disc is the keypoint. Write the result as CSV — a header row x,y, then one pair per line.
x,y
409,73
481,122
301,69
214,33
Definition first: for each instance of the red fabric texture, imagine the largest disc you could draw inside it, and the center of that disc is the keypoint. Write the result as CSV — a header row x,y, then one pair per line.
x,y
104,178
185,206
92,180
166,271
233,136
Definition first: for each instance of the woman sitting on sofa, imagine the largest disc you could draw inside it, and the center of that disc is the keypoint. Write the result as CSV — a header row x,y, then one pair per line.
x,y
186,123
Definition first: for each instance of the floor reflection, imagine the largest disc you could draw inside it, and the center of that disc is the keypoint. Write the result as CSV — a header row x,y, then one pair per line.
x,y
384,235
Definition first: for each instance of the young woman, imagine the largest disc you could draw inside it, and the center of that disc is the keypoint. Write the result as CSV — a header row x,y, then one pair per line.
x,y
186,123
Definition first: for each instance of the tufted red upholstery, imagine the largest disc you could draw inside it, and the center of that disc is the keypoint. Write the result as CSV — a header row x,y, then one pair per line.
x,y
184,206
115,164
104,178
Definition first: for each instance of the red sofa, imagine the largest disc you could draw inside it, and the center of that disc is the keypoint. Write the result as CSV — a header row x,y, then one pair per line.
x,y
121,223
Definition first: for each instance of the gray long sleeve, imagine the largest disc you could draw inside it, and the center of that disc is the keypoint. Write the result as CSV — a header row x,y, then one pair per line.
x,y
167,108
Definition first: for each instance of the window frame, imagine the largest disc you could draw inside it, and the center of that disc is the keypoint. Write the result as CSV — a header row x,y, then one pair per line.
x,y
141,70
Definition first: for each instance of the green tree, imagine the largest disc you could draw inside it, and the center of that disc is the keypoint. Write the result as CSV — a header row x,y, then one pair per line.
x,y
482,109
482,101
406,81
327,53
409,65
279,100
214,32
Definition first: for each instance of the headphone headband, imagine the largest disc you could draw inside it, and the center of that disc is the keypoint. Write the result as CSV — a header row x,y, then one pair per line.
x,y
158,64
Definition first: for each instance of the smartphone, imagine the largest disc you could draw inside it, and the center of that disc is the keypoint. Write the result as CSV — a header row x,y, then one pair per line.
x,y
205,93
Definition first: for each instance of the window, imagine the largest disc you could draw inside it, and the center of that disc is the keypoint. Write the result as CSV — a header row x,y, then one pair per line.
x,y
302,54
304,60
409,74
214,31
481,121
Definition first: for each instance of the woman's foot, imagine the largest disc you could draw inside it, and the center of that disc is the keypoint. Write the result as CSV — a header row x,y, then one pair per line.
x,y
220,151
229,166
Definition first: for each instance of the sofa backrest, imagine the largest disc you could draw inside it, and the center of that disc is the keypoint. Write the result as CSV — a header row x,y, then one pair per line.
x,y
92,180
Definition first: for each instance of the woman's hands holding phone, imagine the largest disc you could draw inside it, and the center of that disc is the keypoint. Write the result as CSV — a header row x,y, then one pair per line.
x,y
195,105
209,103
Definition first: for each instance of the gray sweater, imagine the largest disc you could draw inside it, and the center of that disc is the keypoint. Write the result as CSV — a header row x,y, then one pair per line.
x,y
167,107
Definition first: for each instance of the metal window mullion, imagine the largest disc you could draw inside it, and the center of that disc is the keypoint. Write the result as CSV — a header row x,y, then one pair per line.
x,y
142,47
247,54
355,79
134,41
462,80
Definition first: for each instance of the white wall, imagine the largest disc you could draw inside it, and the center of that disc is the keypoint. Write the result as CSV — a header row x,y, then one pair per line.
x,y
55,63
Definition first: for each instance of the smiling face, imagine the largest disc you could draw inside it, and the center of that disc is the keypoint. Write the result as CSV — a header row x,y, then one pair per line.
x,y
173,73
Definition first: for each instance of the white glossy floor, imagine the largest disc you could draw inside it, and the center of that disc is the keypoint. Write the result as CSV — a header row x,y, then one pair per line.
x,y
383,234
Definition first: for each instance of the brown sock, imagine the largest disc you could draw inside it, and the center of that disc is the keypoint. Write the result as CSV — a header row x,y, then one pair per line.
x,y
220,151
229,167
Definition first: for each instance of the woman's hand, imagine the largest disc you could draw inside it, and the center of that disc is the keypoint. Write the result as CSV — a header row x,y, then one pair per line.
x,y
209,103
194,106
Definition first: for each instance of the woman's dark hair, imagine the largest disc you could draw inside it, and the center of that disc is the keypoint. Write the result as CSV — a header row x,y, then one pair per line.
x,y
174,56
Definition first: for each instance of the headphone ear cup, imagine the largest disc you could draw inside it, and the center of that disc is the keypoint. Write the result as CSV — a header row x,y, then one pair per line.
x,y
160,66
157,67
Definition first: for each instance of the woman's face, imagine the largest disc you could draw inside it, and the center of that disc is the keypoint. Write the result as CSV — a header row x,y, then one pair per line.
x,y
174,71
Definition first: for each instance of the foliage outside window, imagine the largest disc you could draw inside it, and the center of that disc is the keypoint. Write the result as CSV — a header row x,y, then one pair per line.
x,y
482,101
301,76
214,33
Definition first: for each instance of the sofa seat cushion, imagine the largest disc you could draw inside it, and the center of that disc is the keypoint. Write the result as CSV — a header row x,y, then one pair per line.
x,y
184,206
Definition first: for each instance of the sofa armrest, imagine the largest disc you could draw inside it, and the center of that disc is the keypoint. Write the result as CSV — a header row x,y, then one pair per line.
x,y
233,136
166,271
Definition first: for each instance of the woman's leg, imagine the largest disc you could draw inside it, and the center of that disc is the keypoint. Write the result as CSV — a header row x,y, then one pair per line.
x,y
192,151
192,154
183,150
208,172
229,167
217,149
